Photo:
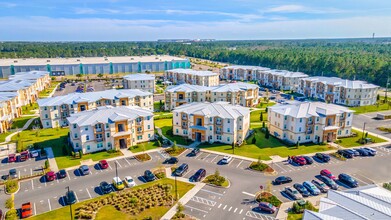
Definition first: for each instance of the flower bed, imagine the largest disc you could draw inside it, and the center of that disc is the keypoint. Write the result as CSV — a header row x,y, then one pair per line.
x,y
338,156
216,180
175,152
270,198
261,167
142,157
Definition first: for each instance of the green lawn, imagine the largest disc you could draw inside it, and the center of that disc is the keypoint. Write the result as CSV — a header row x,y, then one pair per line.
x,y
108,213
144,146
265,148
157,107
353,141
64,161
3,136
255,116
45,93
27,109
371,108
292,216
20,122
263,104
166,126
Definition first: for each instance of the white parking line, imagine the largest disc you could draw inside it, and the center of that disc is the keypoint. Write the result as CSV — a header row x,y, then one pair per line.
x,y
32,184
229,209
249,194
225,207
235,210
191,209
35,209
44,180
239,163
214,158
89,193
127,161
199,155
110,167
241,211
118,163
50,206
360,179
69,178
206,157
219,206
77,199
205,190
231,161
279,167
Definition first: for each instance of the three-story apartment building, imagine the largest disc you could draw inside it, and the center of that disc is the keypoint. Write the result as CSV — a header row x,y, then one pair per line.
x,y
244,94
304,122
145,82
108,127
54,111
193,77
212,122
339,91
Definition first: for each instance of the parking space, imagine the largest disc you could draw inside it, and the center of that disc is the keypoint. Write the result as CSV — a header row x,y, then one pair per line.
x,y
71,87
28,167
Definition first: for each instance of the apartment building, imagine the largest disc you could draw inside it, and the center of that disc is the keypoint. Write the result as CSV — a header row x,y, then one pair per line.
x,y
54,111
212,122
193,77
244,94
108,127
9,109
339,91
145,82
276,79
304,122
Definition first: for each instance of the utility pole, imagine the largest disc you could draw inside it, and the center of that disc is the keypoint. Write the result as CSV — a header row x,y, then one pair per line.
x,y
70,204
363,130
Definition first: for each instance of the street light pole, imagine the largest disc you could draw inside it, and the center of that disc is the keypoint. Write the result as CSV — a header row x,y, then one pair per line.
x,y
176,190
116,170
363,130
70,204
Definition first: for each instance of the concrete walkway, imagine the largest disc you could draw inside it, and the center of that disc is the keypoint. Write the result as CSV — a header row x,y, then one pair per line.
x,y
9,137
51,159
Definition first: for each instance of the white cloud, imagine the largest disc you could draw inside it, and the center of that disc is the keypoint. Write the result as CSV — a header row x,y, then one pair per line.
x,y
302,9
8,4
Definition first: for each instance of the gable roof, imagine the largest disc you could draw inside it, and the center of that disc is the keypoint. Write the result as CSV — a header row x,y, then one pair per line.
x,y
139,76
220,109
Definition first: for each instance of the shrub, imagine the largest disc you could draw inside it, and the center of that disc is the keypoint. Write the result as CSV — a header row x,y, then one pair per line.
x,y
267,133
47,165
11,185
9,203
80,154
387,186
259,166
12,214
270,198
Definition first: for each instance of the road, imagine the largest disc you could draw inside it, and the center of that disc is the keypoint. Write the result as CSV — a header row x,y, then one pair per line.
x,y
234,202
371,124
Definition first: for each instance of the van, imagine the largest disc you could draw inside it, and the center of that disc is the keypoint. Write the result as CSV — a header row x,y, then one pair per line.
x,y
118,184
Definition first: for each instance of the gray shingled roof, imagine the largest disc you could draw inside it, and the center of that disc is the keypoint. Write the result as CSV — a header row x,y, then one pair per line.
x,y
350,84
308,109
139,76
186,88
220,109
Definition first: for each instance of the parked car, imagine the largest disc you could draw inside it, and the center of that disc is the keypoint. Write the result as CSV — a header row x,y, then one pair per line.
x,y
311,188
26,210
323,157
327,173
181,169
373,151
84,170
118,183
103,164
301,189
70,197
348,180
293,193
267,207
34,153
282,179
24,156
149,176
11,158
50,176
321,186
299,160
226,160
308,159
13,174
195,151
62,174
345,153
329,182
363,152
129,182
353,151
106,187
171,160
201,173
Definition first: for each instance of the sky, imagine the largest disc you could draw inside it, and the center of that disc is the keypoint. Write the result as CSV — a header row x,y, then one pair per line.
x,y
148,20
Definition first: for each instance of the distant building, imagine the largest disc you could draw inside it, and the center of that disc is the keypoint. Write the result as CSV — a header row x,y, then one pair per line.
x,y
244,94
92,65
108,127
192,77
145,82
305,122
55,110
212,122
367,202
339,91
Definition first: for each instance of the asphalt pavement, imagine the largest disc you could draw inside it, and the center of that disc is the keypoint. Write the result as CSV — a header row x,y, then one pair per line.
x,y
371,123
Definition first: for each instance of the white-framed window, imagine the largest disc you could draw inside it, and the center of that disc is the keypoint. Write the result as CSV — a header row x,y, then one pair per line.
x,y
74,125
228,139
87,137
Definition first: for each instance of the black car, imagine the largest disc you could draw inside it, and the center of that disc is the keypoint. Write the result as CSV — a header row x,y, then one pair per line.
x,y
201,173
362,152
13,174
194,152
346,154
323,157
308,159
354,152
329,182
282,179
348,180
181,169
106,187
369,151
171,160
70,197
301,189
62,174
149,176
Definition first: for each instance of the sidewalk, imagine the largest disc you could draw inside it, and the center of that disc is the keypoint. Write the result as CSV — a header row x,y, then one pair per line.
x,y
51,159
8,138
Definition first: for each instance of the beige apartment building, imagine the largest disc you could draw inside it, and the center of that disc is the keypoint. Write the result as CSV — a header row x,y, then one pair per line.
x,y
145,82
55,110
339,91
108,127
244,94
212,122
192,77
305,122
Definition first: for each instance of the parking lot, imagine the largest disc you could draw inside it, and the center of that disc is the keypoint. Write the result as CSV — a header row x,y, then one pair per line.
x,y
371,123
28,167
98,86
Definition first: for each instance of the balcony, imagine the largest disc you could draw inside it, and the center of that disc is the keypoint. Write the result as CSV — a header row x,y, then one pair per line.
x,y
310,123
218,122
184,118
139,123
139,131
218,132
99,139
98,129
309,132
184,126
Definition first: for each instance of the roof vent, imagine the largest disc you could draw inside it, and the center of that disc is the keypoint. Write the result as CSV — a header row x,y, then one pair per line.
x,y
78,60
48,61
15,61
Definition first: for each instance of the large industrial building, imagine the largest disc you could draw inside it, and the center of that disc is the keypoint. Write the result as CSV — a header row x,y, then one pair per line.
x,y
92,65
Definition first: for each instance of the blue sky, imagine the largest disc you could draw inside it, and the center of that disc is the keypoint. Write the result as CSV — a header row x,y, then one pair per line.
x,y
136,20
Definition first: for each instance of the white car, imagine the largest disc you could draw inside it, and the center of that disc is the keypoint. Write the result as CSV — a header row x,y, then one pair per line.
x,y
34,153
226,159
129,182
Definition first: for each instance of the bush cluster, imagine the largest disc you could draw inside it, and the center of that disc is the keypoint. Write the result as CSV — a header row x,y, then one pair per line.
x,y
259,166
11,185
270,198
298,209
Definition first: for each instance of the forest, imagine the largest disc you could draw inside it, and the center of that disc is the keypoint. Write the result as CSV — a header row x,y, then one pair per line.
x,y
360,59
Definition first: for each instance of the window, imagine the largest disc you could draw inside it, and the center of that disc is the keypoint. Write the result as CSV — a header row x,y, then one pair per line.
x,y
45,108
348,114
317,118
74,125
149,135
86,128
298,138
299,129
210,119
316,128
88,147
54,107
228,130
71,106
46,115
285,117
75,135
229,121
347,123
108,135
87,138
307,137
148,117
77,145
177,131
301,120
149,126
210,127
228,139
47,123
339,132
139,137
347,132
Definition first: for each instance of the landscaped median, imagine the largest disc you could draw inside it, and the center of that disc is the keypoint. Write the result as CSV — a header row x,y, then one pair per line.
x,y
217,180
147,201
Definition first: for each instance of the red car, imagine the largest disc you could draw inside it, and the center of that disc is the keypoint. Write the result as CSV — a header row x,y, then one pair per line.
x,y
50,176
11,158
26,210
24,156
299,160
328,174
103,164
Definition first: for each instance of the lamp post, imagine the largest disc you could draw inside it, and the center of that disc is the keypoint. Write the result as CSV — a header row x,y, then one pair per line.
x,y
176,190
363,130
70,204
